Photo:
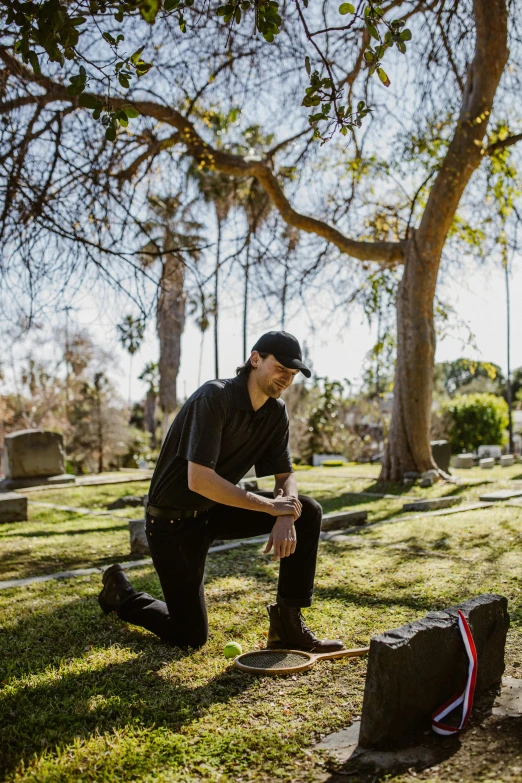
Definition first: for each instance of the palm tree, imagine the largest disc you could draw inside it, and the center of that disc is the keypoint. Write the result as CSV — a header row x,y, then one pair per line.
x,y
150,374
202,306
174,237
131,331
256,206
220,191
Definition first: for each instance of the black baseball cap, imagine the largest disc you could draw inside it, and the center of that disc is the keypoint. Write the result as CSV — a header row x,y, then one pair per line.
x,y
286,349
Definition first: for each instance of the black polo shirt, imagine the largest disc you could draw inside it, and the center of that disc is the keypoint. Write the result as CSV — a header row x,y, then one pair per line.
x,y
218,427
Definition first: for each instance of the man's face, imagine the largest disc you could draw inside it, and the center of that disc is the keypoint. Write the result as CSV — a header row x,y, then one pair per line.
x,y
271,376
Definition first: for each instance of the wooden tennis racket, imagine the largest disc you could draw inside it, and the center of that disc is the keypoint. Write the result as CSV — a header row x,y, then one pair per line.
x,y
288,661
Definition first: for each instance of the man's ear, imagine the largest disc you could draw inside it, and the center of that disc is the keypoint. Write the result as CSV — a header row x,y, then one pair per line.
x,y
254,358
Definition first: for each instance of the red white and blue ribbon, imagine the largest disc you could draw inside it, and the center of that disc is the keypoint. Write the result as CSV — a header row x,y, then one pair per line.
x,y
466,697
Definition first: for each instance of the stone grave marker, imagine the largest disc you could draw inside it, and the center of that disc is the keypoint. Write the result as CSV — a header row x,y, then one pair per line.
x,y
318,459
441,453
33,457
343,519
431,504
13,507
416,668
501,494
490,451
506,460
486,463
138,540
464,461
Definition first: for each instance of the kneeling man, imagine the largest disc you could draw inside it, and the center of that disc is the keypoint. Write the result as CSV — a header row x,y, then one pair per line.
x,y
223,429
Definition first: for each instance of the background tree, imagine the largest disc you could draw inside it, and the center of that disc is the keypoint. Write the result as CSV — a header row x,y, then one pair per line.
x,y
475,420
150,374
174,238
220,191
456,70
468,375
131,331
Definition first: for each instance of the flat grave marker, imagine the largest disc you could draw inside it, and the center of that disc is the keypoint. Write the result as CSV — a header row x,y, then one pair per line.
x,y
501,494
431,504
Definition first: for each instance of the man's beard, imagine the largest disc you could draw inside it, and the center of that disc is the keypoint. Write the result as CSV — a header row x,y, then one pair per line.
x,y
271,389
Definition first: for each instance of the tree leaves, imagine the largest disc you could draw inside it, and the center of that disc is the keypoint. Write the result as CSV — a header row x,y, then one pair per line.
x,y
53,28
149,10
383,77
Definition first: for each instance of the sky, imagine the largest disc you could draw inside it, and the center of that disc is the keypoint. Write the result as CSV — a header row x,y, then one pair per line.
x,y
336,350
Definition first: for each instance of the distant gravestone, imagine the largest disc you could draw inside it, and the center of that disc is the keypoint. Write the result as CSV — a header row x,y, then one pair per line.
x,y
487,463
441,453
506,460
416,668
489,451
343,519
432,504
33,457
138,540
464,461
13,507
318,459
501,494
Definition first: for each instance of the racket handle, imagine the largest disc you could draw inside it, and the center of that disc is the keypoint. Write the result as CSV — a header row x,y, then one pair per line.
x,y
356,652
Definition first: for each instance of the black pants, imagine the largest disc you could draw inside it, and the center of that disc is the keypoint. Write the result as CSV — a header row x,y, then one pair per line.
x,y
179,551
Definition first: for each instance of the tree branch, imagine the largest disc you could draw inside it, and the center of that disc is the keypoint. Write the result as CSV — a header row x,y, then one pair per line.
x,y
154,148
466,150
500,145
386,253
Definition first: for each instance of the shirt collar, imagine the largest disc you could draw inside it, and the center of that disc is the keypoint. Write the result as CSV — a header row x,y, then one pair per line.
x,y
242,397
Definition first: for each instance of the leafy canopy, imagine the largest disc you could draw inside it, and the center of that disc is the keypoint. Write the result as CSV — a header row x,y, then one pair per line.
x,y
51,31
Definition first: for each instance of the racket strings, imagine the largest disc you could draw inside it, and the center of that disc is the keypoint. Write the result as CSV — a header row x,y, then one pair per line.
x,y
272,659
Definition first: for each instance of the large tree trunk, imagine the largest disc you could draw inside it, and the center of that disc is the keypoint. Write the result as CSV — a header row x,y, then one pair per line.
x,y
409,436
170,325
408,445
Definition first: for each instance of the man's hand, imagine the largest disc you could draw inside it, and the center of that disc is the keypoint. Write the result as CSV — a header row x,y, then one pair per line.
x,y
283,506
282,538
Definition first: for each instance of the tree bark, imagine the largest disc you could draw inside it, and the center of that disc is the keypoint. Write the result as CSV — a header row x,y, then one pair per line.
x,y
408,445
409,437
170,319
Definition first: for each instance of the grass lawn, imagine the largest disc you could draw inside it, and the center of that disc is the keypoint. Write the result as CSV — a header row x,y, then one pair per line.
x,y
85,698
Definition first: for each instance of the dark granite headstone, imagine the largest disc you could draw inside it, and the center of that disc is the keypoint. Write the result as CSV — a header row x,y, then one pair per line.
x,y
414,669
441,453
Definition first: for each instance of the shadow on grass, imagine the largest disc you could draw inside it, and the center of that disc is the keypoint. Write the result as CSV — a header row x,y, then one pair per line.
x,y
51,533
86,698
21,564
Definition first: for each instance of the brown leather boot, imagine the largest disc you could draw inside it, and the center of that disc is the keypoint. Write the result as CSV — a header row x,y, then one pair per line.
x,y
116,588
288,632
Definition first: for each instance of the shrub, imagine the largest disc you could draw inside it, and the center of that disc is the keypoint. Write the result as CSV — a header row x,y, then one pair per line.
x,y
475,420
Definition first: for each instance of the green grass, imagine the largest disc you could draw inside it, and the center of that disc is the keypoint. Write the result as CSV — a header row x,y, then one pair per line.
x,y
55,540
86,698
